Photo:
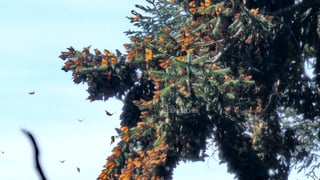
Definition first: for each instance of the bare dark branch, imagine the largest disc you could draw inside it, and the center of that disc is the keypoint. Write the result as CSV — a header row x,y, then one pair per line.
x,y
36,154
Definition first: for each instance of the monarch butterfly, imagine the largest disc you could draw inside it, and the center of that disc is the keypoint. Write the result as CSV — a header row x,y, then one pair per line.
x,y
247,78
117,153
215,67
147,102
140,125
118,53
110,164
136,18
126,138
228,109
248,41
97,52
78,169
137,162
62,161
254,11
70,48
112,140
71,51
108,113
130,56
161,40
87,49
164,63
32,92
207,3
63,56
259,109
107,53
227,78
113,60
148,38
192,4
193,10
104,61
141,153
125,129
144,112
166,31
148,55
118,130
180,58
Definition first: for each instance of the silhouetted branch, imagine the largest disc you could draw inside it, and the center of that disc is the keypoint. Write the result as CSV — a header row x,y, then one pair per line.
x,y
289,12
36,153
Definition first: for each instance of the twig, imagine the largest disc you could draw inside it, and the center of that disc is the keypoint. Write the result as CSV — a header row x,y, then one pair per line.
x,y
36,154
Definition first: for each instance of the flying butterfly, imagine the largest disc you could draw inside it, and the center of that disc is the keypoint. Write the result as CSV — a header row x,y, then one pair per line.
x,y
112,140
78,169
62,161
108,113
32,92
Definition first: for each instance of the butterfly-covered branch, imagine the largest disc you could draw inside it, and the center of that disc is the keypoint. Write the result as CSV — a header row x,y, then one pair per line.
x,y
107,74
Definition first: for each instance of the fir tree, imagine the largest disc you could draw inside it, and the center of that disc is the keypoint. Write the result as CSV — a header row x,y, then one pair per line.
x,y
227,71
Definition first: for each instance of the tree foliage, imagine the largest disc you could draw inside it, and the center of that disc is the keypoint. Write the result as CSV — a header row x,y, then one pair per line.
x,y
228,71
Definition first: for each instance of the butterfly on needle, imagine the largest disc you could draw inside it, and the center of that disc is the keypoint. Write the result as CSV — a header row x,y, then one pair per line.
x,y
108,113
32,92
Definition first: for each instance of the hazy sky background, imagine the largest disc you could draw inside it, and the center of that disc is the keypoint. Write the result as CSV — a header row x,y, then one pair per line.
x,y
32,34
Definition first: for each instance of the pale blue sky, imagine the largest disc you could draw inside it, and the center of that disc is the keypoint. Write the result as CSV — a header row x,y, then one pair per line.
x,y
32,34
